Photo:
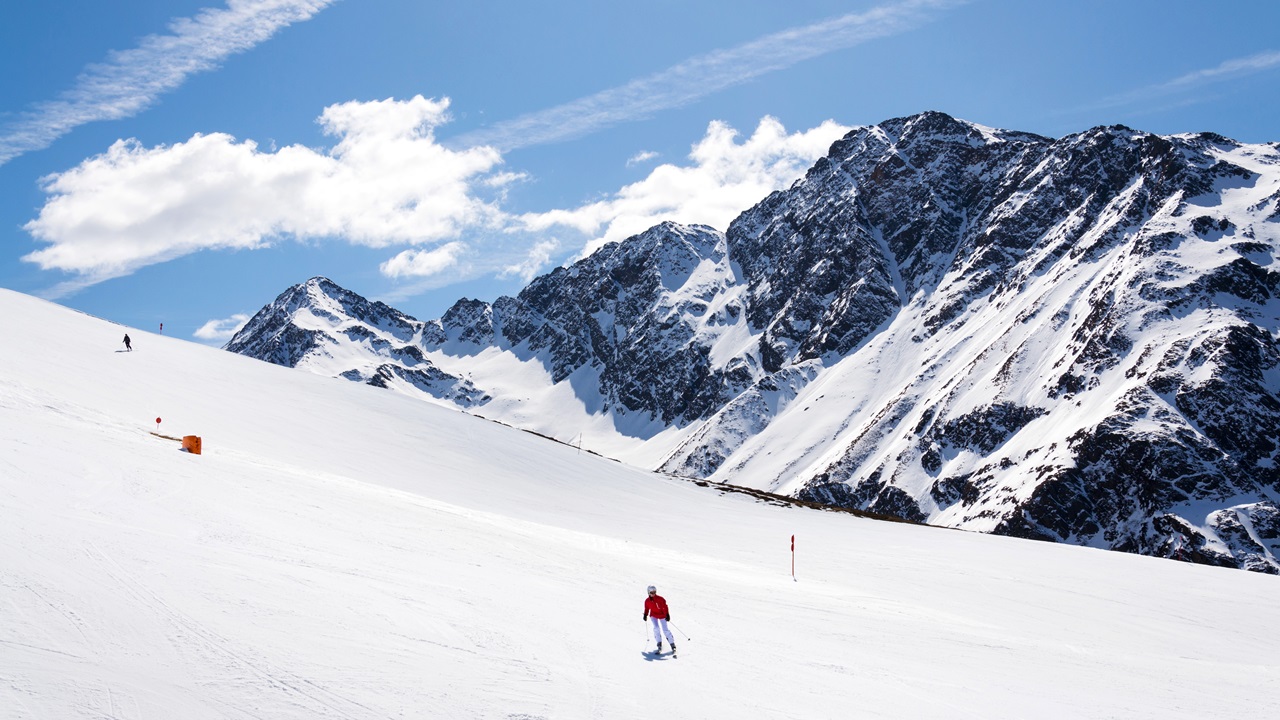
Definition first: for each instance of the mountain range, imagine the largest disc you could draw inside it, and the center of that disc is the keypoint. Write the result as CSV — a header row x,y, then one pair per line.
x,y
1073,339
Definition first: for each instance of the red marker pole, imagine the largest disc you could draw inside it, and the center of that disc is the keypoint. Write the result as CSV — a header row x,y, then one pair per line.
x,y
793,558
157,424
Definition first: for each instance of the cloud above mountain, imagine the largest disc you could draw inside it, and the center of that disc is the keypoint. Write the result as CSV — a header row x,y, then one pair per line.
x,y
724,178
221,330
129,81
1190,88
705,74
386,182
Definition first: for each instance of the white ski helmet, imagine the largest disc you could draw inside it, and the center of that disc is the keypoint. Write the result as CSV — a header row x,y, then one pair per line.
x,y
652,589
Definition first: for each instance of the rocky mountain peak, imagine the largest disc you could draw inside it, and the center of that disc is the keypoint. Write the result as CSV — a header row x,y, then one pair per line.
x,y
1071,340
289,329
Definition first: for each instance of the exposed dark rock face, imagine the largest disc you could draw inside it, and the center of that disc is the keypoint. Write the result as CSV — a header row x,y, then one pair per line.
x,y
632,311
1074,340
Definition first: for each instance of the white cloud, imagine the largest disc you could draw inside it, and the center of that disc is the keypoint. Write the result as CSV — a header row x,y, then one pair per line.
x,y
503,179
641,157
129,81
1226,70
700,76
538,257
221,330
725,178
423,263
386,182
726,175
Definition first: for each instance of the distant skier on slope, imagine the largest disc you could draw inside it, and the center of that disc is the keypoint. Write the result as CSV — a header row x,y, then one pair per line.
x,y
127,345
655,609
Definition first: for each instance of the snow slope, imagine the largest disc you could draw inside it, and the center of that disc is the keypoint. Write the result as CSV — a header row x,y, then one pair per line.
x,y
343,552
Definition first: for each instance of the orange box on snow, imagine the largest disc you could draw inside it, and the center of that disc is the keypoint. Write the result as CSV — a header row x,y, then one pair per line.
x,y
191,443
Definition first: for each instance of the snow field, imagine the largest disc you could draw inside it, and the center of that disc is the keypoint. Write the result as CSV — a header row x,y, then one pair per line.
x,y
341,551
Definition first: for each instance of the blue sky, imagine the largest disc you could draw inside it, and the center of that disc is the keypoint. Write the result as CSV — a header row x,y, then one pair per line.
x,y
183,162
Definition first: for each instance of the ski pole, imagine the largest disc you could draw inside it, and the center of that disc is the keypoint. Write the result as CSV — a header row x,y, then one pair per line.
x,y
686,637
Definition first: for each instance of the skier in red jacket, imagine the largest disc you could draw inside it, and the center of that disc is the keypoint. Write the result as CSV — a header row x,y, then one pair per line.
x,y
655,609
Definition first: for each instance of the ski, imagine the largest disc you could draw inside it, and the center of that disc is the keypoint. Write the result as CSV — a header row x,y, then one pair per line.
x,y
657,655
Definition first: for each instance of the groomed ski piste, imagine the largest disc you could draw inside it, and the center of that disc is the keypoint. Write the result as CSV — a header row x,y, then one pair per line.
x,y
340,551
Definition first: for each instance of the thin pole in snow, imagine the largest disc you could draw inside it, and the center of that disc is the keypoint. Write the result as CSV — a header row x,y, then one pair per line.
x,y
793,559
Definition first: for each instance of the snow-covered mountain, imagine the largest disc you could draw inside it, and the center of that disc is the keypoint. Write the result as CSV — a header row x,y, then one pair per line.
x,y
1072,340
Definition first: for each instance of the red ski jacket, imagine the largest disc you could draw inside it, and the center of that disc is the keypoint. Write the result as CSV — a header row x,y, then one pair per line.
x,y
656,606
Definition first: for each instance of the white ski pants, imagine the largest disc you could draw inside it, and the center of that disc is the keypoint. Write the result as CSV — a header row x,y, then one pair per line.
x,y
659,629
